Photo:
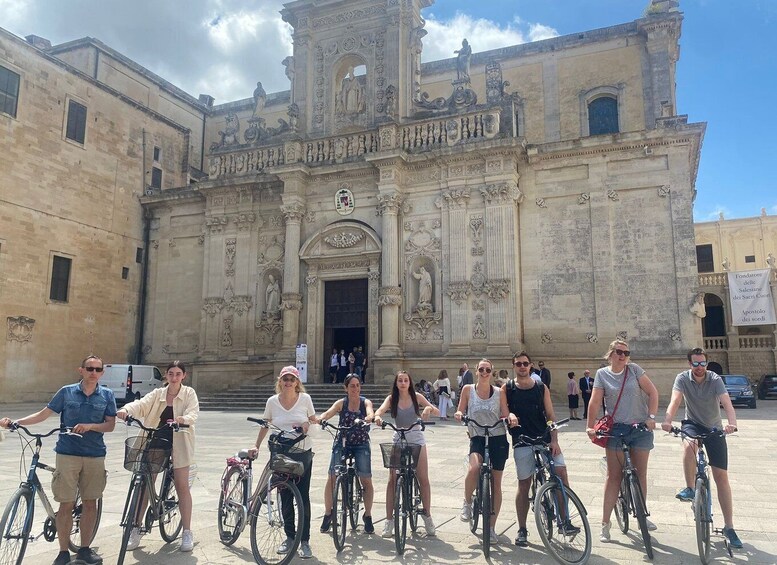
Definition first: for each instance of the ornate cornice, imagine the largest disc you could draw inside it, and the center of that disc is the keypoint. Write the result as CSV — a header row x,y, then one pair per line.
x,y
393,203
293,212
344,239
457,198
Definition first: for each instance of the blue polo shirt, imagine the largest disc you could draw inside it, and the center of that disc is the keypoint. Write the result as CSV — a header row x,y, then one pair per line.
x,y
75,407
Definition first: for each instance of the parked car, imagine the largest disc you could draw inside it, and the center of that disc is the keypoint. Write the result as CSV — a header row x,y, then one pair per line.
x,y
740,389
767,385
130,382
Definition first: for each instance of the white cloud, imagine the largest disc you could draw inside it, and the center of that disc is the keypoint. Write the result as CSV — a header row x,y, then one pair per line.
x,y
712,215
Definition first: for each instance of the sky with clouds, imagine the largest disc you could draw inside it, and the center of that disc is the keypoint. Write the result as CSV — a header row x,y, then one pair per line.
x,y
726,73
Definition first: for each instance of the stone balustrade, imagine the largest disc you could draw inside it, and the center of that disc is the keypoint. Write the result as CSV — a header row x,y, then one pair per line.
x,y
425,135
756,342
713,279
719,343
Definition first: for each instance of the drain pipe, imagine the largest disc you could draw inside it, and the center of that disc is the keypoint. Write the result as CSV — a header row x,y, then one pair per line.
x,y
141,318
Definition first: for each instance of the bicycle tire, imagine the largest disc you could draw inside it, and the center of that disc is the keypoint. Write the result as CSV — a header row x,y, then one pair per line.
x,y
703,519
356,498
77,510
486,513
340,512
474,516
267,531
416,505
231,513
565,547
640,509
130,514
622,506
401,509
170,522
15,526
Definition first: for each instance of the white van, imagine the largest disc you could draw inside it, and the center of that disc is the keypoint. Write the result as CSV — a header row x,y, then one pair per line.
x,y
130,382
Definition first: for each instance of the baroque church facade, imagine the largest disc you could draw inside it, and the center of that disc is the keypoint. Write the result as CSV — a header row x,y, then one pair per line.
x,y
532,197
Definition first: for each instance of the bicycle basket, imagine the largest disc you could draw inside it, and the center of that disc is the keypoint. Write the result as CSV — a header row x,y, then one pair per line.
x,y
282,464
142,456
392,454
283,446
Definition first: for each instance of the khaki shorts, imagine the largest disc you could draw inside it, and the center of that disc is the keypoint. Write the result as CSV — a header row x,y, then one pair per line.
x,y
73,474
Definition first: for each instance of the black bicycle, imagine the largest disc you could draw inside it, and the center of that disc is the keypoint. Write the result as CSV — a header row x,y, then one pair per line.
x,y
482,499
631,499
561,517
348,494
402,459
702,498
16,522
145,456
277,499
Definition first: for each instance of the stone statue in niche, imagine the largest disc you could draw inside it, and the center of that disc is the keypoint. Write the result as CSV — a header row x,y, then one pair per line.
x,y
697,308
351,98
272,296
771,261
462,61
260,97
424,290
726,264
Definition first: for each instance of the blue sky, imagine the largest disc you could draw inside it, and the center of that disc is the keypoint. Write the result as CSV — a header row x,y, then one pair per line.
x,y
727,72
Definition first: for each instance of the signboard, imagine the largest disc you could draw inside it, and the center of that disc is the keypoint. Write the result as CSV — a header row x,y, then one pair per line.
x,y
302,362
751,298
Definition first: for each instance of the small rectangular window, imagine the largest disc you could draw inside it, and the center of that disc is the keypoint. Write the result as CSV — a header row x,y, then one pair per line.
x,y
125,273
60,278
76,122
749,258
9,91
156,177
139,255
157,153
704,260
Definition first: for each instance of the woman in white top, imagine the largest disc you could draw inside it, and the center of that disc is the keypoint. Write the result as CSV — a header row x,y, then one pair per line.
x,y
442,386
292,407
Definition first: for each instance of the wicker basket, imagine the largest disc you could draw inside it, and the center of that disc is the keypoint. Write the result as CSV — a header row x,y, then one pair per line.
x,y
142,456
392,454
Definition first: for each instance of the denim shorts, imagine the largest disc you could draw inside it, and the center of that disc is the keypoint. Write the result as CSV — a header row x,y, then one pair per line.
x,y
361,455
634,437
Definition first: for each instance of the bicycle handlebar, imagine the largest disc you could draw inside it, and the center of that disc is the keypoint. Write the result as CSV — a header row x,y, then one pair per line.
x,y
418,423
15,427
541,441
269,425
170,424
713,432
638,426
358,423
467,420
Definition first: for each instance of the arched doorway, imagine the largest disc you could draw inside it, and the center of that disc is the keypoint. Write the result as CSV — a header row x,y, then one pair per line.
x,y
714,323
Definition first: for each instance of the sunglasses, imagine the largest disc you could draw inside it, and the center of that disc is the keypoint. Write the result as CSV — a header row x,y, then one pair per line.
x,y
698,363
522,363
288,378
624,352
484,369
94,369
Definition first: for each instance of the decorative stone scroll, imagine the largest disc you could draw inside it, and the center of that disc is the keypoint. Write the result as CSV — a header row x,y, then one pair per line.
x,y
213,305
240,304
479,327
392,203
423,320
291,301
495,86
226,333
663,191
293,212
229,256
584,198
591,337
390,296
622,335
20,328
458,291
269,329
478,279
546,338
344,239
501,193
453,198
497,289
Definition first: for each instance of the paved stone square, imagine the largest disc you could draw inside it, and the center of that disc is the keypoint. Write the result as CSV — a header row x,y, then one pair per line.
x,y
220,434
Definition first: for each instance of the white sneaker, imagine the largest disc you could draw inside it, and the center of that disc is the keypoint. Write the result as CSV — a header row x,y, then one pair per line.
x,y
605,535
388,529
187,540
134,539
428,524
466,512
651,526
494,537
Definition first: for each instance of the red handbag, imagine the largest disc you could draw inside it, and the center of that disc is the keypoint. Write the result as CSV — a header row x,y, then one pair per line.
x,y
604,424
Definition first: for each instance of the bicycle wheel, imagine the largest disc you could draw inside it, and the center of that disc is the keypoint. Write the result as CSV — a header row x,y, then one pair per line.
x,y
130,513
640,509
415,506
571,542
77,511
272,508
231,512
15,526
401,503
356,498
622,507
340,511
485,488
703,519
170,523
474,516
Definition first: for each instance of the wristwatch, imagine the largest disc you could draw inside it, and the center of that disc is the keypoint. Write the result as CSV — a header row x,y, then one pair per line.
x,y
652,416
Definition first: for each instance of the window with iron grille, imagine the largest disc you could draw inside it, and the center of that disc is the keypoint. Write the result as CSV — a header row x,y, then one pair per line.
x,y
9,91
704,262
76,122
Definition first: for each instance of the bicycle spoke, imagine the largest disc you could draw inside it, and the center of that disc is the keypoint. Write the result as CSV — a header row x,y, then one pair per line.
x,y
231,514
15,526
272,509
563,524
703,519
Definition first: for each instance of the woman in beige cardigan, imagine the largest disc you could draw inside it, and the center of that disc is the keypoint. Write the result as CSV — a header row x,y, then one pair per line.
x,y
173,402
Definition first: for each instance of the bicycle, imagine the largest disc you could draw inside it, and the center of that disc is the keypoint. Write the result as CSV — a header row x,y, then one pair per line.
x,y
556,505
482,500
277,499
16,522
402,458
702,499
631,499
145,457
347,494
234,500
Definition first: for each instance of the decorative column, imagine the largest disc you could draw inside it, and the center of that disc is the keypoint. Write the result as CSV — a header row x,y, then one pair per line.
x,y
291,298
390,294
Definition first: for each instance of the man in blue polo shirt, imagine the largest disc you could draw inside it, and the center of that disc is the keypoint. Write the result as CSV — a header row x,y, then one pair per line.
x,y
90,410
704,393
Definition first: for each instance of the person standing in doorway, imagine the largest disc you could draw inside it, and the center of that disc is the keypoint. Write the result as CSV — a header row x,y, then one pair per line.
x,y
586,387
342,369
359,365
334,365
544,374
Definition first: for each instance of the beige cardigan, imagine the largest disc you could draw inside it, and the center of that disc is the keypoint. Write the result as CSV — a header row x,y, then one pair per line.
x,y
149,409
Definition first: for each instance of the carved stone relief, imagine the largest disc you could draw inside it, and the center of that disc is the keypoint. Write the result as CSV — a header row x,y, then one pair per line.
x,y
422,240
476,224
453,198
501,193
546,338
458,291
229,256
344,239
20,328
479,327
226,333
213,305
478,279
390,296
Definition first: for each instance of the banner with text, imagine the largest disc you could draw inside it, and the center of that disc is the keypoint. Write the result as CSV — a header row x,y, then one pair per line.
x,y
751,298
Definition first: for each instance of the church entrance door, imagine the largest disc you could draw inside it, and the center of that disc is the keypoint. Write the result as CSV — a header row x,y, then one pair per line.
x,y
345,316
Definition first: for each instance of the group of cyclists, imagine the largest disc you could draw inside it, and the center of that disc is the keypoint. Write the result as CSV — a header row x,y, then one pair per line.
x,y
523,404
